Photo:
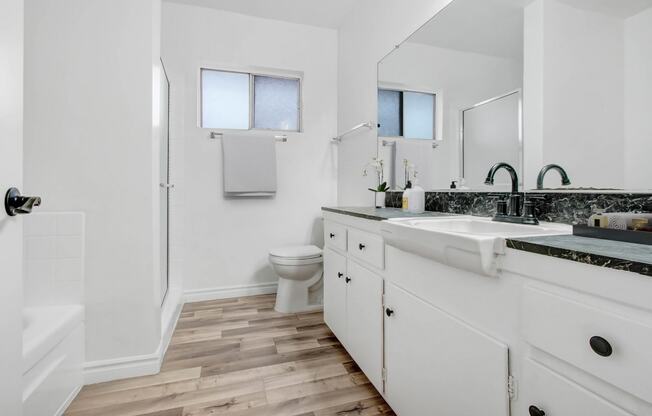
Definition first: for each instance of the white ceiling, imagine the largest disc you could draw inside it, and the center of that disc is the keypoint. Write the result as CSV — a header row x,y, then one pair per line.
x,y
619,8
323,13
489,27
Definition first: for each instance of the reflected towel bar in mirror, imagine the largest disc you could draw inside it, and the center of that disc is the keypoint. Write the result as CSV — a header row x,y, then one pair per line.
x,y
279,138
338,139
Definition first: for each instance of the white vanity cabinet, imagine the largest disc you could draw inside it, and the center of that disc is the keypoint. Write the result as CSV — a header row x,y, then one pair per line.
x,y
548,393
544,336
439,365
353,290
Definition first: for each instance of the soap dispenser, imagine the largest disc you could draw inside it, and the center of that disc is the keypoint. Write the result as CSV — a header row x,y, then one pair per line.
x,y
417,199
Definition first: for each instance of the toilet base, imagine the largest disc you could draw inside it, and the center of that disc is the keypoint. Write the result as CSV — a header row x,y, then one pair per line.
x,y
294,296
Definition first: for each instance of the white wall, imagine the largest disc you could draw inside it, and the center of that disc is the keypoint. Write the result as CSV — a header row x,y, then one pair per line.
x,y
91,146
225,242
581,105
462,79
372,30
11,174
638,102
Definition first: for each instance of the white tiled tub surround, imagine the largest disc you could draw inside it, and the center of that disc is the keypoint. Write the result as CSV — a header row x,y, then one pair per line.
x,y
54,258
53,317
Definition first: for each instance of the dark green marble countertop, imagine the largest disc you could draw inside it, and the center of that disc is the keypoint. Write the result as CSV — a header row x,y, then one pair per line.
x,y
636,258
380,214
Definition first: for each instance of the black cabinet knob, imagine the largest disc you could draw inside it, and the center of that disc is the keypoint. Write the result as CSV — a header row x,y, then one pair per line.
x,y
339,275
332,235
389,312
348,279
361,246
601,346
535,411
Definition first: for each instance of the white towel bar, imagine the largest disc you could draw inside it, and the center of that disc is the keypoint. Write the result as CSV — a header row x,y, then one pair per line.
x,y
368,124
279,138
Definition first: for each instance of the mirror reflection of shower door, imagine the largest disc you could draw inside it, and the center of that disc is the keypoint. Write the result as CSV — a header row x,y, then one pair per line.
x,y
165,185
491,133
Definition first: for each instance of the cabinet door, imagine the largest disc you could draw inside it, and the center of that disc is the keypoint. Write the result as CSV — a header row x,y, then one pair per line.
x,y
365,321
335,293
438,365
555,395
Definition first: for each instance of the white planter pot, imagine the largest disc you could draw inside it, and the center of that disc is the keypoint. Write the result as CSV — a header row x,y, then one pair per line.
x,y
380,199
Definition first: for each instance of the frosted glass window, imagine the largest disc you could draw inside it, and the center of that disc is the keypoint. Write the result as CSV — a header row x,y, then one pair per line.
x,y
418,115
224,99
276,103
389,113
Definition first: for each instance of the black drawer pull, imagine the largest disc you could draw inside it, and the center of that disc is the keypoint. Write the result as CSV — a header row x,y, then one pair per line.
x,y
348,279
601,346
389,312
332,235
361,246
339,275
535,411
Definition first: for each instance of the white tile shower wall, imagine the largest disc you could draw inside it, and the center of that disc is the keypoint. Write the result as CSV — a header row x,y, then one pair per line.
x,y
54,258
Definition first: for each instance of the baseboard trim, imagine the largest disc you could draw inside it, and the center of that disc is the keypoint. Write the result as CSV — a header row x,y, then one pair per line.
x,y
62,409
149,364
126,367
226,292
134,366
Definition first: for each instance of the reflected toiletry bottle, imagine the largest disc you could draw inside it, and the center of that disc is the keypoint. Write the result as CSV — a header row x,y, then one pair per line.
x,y
405,202
417,199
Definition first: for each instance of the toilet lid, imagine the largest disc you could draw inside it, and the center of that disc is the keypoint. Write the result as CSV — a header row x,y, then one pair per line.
x,y
296,252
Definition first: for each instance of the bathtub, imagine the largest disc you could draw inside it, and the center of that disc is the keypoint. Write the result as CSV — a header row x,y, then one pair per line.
x,y
53,357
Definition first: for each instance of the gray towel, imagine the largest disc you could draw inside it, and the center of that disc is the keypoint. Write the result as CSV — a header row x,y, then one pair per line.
x,y
249,165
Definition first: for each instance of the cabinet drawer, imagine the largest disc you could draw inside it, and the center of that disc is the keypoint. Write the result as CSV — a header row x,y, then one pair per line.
x,y
553,394
367,247
575,332
335,235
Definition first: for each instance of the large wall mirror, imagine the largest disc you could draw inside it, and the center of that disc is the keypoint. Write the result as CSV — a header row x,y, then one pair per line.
x,y
527,82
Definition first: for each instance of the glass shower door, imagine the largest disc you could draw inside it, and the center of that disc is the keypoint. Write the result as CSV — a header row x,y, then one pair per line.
x,y
165,185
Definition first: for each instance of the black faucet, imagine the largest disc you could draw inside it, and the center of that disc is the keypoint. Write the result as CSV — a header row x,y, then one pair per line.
x,y
513,214
564,177
515,197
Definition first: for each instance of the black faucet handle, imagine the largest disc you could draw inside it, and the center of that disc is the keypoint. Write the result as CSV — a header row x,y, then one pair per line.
x,y
501,207
528,209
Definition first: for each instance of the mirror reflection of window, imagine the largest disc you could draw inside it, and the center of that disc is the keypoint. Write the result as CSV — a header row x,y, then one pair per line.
x,y
406,114
418,115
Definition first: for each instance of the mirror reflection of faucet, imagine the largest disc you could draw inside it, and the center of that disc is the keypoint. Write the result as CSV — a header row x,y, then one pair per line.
x,y
16,204
565,181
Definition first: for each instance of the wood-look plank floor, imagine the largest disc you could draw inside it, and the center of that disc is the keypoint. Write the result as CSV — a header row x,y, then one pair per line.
x,y
239,357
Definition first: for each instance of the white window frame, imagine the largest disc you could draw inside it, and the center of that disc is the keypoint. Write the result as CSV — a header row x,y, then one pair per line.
x,y
252,73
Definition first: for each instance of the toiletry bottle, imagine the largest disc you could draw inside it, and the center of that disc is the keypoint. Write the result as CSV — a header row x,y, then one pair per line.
x,y
417,199
406,196
454,185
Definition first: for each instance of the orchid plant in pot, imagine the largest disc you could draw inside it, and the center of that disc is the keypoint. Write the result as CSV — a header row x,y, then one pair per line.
x,y
380,191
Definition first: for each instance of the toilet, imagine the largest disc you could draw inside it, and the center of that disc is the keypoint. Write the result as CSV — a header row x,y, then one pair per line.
x,y
300,271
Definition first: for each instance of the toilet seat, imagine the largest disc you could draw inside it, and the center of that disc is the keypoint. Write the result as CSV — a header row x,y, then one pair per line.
x,y
296,252
296,255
